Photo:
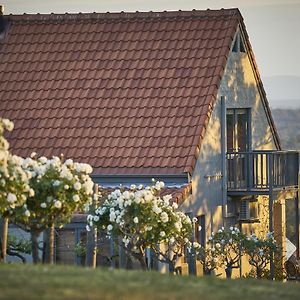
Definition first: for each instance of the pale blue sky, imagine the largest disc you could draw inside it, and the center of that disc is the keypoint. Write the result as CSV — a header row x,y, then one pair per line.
x,y
273,25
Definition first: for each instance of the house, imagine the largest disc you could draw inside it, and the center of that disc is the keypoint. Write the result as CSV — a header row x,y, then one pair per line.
x,y
175,96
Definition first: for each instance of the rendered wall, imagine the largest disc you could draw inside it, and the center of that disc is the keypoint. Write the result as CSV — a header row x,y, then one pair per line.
x,y
239,86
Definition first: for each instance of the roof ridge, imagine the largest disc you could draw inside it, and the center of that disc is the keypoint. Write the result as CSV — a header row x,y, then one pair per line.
x,y
230,12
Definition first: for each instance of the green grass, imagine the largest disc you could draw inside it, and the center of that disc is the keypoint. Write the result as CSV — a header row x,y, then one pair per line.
x,y
61,282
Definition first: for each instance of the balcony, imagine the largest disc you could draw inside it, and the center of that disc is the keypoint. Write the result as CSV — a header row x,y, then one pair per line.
x,y
262,171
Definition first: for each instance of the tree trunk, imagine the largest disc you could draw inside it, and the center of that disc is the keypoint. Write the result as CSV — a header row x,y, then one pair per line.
x,y
35,246
3,238
142,262
49,245
259,273
171,268
228,272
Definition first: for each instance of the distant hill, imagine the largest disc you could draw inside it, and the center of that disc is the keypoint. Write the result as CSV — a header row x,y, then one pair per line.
x,y
283,91
287,122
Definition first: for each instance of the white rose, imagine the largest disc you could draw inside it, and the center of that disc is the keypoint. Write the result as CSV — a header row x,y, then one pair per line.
x,y
164,217
175,205
69,162
162,234
57,204
9,125
109,227
135,220
43,205
126,195
11,198
76,198
27,213
77,186
31,193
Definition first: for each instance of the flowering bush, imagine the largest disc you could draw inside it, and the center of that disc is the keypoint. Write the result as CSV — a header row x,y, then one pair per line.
x,y
14,186
13,180
58,188
227,247
209,259
5,124
260,251
143,220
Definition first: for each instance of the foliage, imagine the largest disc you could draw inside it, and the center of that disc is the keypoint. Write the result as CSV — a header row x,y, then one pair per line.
x,y
260,251
58,189
227,247
5,124
14,185
209,260
19,244
144,220
80,249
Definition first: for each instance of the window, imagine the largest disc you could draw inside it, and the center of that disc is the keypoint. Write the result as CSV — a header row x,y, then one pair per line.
x,y
200,234
238,130
238,123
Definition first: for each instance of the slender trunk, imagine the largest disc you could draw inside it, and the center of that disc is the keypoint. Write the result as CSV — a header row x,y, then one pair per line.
x,y
35,246
142,262
3,238
228,272
259,273
171,268
49,245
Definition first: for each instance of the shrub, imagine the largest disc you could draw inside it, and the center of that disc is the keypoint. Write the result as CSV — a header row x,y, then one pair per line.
x,y
143,219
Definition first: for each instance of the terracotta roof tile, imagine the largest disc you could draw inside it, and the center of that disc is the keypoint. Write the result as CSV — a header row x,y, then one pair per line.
x,y
125,92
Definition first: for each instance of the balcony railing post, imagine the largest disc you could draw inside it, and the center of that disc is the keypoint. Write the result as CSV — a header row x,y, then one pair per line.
x,y
271,180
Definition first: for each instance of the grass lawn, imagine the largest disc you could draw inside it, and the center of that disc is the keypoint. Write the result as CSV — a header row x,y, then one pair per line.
x,y
65,282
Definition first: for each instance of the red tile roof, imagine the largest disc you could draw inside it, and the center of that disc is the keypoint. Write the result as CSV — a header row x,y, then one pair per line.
x,y
129,93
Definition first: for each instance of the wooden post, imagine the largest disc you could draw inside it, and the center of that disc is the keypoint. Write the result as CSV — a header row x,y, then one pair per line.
x,y
223,153
3,238
271,178
280,235
297,224
91,246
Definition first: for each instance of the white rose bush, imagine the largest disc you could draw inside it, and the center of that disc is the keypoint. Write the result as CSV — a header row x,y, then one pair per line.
x,y
226,247
58,188
14,184
142,219
260,251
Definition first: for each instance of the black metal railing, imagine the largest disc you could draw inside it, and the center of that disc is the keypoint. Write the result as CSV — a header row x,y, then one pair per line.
x,y
262,169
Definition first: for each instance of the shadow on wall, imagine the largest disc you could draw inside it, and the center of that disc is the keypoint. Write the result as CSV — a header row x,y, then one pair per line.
x,y
240,88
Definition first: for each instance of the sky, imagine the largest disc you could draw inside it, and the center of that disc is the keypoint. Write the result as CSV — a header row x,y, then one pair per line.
x,y
273,25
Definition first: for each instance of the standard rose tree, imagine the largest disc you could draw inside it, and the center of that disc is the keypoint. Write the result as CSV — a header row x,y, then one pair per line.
x,y
227,247
14,185
58,189
260,252
142,219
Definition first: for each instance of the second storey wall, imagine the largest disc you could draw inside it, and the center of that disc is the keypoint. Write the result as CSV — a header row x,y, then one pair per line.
x,y
239,86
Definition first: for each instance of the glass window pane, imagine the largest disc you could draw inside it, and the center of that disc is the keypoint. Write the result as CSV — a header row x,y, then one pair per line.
x,y
230,132
242,131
